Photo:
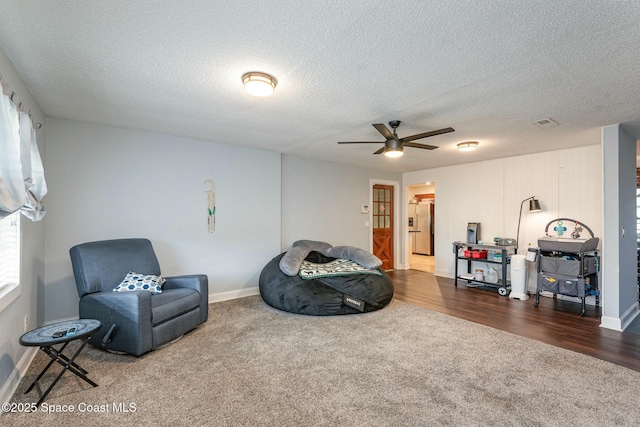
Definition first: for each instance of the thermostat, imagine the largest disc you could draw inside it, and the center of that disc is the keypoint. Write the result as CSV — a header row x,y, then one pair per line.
x,y
364,209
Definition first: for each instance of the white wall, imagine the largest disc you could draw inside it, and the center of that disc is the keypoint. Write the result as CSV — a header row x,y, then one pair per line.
x,y
568,183
322,201
107,182
14,358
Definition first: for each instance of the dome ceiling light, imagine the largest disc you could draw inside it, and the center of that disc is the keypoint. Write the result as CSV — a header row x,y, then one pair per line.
x,y
259,84
468,146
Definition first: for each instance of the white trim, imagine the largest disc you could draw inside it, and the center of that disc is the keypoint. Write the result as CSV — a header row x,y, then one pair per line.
x,y
396,217
18,373
9,295
443,273
611,323
629,316
622,323
229,295
213,298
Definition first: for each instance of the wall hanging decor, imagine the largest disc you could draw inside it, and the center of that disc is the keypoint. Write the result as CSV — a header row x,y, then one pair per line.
x,y
211,205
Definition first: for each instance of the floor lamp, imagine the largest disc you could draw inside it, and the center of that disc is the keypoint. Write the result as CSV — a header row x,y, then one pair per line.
x,y
534,206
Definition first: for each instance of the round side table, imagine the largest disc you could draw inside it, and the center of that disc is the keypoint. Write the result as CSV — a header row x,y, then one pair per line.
x,y
61,333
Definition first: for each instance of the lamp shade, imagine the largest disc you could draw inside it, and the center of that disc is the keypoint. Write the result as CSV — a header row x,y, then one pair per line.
x,y
534,205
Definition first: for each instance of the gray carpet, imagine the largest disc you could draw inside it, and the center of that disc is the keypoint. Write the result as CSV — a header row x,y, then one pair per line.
x,y
403,365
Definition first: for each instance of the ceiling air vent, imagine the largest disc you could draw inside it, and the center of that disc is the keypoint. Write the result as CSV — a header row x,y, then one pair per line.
x,y
546,123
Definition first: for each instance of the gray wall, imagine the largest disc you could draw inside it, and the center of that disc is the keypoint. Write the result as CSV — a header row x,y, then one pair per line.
x,y
322,201
30,302
107,182
619,249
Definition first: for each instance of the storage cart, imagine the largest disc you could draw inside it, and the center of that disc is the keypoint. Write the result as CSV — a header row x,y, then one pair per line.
x,y
488,255
568,266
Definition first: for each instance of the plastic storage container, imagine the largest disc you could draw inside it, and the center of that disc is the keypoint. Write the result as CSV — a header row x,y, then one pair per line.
x,y
491,276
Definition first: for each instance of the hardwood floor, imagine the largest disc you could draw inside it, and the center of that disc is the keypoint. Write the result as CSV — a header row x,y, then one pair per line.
x,y
554,322
424,263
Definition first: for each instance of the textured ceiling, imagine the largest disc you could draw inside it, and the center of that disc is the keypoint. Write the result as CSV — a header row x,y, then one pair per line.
x,y
489,69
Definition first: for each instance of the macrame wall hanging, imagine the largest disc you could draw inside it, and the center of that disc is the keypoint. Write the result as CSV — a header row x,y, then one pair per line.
x,y
211,205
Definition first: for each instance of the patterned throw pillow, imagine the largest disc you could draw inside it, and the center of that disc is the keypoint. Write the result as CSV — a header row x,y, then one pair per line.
x,y
141,282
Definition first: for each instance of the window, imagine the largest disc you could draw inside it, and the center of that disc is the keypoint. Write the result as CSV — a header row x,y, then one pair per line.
x,y
9,259
22,186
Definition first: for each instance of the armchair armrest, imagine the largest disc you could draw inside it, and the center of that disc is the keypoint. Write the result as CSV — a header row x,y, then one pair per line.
x,y
129,311
197,282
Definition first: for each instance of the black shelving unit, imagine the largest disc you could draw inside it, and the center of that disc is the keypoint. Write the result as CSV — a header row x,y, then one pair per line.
x,y
503,286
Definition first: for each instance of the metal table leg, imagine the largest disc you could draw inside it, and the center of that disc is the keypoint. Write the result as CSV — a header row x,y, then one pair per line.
x,y
67,363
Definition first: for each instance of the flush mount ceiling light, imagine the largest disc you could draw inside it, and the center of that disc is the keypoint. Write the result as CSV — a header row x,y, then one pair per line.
x,y
259,84
468,146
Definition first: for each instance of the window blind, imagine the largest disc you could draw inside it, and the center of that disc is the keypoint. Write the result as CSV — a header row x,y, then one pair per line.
x,y
10,250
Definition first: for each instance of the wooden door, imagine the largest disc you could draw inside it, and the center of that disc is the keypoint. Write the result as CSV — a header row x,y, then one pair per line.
x,y
383,224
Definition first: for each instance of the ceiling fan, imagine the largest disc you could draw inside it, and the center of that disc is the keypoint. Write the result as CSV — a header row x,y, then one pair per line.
x,y
393,145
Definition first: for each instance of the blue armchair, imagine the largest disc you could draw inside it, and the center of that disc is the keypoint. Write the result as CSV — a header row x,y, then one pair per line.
x,y
138,321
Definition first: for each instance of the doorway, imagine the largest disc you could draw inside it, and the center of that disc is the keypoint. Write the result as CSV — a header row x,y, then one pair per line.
x,y
383,224
421,215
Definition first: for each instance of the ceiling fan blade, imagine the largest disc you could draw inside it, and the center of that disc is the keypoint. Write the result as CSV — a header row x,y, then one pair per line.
x,y
380,151
360,142
383,130
416,145
427,134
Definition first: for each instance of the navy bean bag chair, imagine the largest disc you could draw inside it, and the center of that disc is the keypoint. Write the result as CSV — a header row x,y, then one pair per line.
x,y
323,296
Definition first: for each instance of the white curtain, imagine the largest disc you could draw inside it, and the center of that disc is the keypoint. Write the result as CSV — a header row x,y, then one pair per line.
x,y
22,183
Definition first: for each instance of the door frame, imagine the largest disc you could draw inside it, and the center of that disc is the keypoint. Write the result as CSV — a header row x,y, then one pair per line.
x,y
396,225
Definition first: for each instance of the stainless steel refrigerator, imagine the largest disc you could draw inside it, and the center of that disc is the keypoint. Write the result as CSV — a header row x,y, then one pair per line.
x,y
423,227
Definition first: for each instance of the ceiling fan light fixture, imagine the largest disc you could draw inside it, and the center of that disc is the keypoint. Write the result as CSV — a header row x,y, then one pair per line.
x,y
259,84
393,152
468,146
393,148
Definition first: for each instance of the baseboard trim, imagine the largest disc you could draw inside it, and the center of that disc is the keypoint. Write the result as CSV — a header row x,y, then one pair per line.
x,y
623,322
229,295
613,323
629,316
11,384
443,273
